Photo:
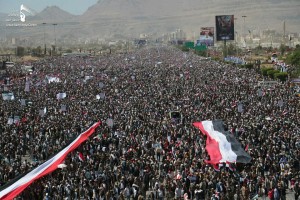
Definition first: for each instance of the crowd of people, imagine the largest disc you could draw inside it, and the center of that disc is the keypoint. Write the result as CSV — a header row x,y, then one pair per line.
x,y
146,146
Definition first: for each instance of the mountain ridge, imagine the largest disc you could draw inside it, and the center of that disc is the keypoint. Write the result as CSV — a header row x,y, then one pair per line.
x,y
108,18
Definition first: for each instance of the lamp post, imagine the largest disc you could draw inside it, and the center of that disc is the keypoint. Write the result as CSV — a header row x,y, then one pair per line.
x,y
54,34
54,38
236,44
244,27
45,49
244,18
243,33
236,39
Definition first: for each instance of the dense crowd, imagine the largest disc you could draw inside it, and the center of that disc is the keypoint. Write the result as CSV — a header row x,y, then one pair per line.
x,y
146,146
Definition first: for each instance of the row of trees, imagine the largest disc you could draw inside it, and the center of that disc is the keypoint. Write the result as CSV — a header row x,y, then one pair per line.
x,y
274,74
38,51
294,60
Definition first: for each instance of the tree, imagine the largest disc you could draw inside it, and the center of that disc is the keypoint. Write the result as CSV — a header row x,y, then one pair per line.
x,y
229,50
20,51
53,50
201,53
37,51
282,76
294,58
282,49
272,72
258,49
264,70
183,48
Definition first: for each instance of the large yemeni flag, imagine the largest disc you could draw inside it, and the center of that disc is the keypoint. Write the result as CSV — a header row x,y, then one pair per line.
x,y
47,167
221,145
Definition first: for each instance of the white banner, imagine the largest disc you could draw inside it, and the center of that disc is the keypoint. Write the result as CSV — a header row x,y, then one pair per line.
x,y
51,79
110,122
61,95
88,78
102,95
23,102
240,107
10,121
280,103
8,96
259,92
42,112
27,86
101,85
63,108
13,120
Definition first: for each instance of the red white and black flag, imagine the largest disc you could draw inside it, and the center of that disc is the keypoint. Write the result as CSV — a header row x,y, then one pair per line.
x,y
47,167
221,145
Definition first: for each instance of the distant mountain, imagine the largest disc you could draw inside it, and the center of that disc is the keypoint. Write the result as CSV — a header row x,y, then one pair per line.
x,y
129,18
53,14
114,9
134,16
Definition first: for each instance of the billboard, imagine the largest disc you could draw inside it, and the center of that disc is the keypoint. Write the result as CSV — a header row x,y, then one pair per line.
x,y
225,27
206,36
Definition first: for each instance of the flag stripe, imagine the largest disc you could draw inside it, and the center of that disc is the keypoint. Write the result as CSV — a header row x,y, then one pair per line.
x,y
235,146
212,146
215,132
46,168
223,146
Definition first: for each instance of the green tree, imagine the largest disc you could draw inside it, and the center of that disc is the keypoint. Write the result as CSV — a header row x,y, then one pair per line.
x,y
37,51
258,50
231,49
264,70
201,53
183,48
282,49
53,50
20,51
272,72
294,58
282,76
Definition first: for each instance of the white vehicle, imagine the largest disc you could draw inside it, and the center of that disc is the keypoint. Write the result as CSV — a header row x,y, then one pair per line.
x,y
10,64
27,69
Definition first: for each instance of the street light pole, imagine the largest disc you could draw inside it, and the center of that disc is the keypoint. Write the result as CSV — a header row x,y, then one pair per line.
x,y
236,45
54,34
244,34
244,18
54,38
45,49
236,39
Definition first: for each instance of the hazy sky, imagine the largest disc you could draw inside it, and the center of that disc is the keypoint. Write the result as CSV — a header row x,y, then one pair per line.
x,y
72,6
